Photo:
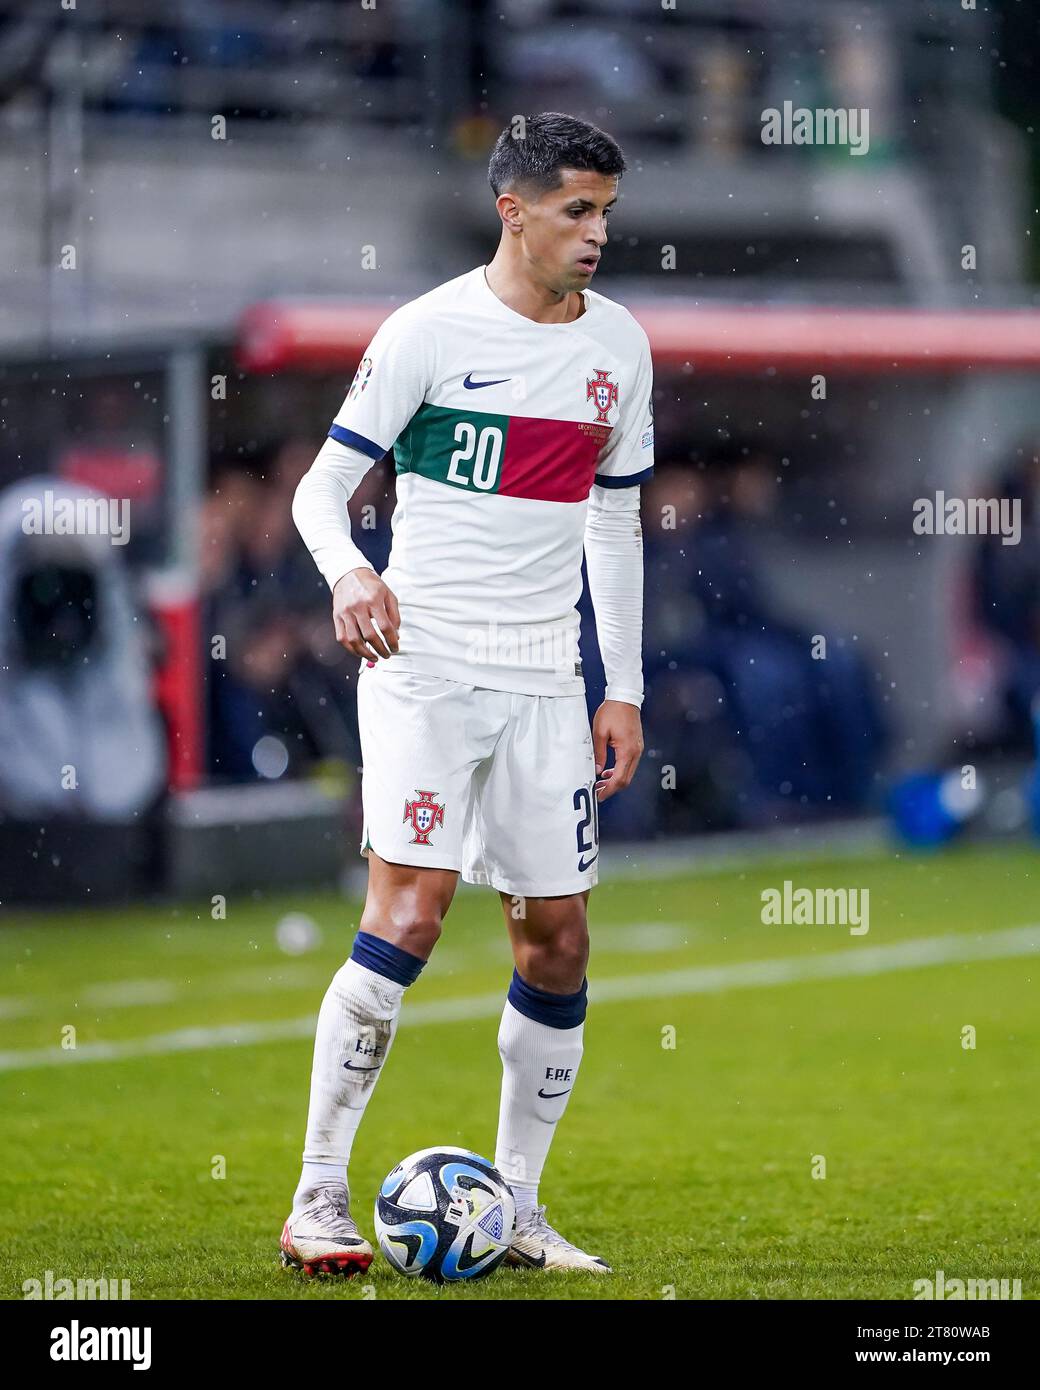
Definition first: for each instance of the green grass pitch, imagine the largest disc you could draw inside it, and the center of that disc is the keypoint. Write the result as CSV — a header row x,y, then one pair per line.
x,y
690,1168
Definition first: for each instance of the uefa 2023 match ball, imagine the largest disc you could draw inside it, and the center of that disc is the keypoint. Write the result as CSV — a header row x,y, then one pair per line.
x,y
445,1214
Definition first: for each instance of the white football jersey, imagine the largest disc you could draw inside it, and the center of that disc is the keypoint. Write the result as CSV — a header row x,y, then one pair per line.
x,y
499,427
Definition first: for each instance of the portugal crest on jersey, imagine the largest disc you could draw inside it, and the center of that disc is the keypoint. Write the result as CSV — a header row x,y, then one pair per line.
x,y
425,815
604,392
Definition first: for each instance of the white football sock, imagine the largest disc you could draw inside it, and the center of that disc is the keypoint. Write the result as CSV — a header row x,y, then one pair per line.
x,y
525,1195
539,1068
317,1175
356,1027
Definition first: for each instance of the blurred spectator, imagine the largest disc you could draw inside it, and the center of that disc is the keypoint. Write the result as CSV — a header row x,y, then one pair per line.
x,y
149,67
192,36
283,676
757,730
1007,589
116,449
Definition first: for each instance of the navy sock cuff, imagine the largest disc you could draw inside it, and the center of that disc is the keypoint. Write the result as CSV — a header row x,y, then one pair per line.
x,y
555,1010
386,959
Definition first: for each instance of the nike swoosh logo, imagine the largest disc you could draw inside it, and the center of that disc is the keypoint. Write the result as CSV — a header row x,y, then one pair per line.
x,y
476,385
583,866
551,1095
538,1263
351,1067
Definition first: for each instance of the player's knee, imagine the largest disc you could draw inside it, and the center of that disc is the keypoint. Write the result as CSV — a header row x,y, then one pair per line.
x,y
414,927
556,962
571,952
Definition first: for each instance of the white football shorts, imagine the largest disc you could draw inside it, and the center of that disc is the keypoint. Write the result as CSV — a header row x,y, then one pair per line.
x,y
496,785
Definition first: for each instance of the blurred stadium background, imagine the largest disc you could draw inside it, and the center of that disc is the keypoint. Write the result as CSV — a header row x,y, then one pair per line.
x,y
835,336
208,210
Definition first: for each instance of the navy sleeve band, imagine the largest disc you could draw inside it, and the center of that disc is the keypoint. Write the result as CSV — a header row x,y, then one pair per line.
x,y
356,441
629,480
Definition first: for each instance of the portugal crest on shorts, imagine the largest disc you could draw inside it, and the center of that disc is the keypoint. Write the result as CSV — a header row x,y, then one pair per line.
x,y
425,815
604,392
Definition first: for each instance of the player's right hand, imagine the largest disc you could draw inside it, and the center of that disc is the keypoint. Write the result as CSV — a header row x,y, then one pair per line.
x,y
366,614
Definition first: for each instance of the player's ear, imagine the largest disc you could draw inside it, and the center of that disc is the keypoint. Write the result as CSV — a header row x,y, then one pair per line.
x,y
509,211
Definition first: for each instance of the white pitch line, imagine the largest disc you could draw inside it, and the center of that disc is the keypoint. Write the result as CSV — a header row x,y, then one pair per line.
x,y
17,1006
854,961
636,938
122,994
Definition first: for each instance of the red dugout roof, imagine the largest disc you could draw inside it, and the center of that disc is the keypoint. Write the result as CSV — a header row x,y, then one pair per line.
x,y
329,335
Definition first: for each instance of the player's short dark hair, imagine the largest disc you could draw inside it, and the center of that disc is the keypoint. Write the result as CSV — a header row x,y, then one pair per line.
x,y
545,144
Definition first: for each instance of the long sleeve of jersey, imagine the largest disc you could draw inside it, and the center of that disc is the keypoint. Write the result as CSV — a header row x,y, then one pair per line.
x,y
614,561
614,539
389,386
320,509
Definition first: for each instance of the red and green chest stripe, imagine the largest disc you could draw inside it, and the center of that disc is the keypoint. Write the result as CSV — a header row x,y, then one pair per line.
x,y
511,455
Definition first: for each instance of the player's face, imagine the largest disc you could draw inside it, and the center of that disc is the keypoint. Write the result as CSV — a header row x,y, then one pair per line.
x,y
566,229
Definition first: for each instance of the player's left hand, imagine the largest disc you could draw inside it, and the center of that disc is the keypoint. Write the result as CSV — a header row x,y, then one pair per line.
x,y
618,726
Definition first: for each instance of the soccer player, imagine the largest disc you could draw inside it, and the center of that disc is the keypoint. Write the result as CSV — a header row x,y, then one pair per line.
x,y
518,404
